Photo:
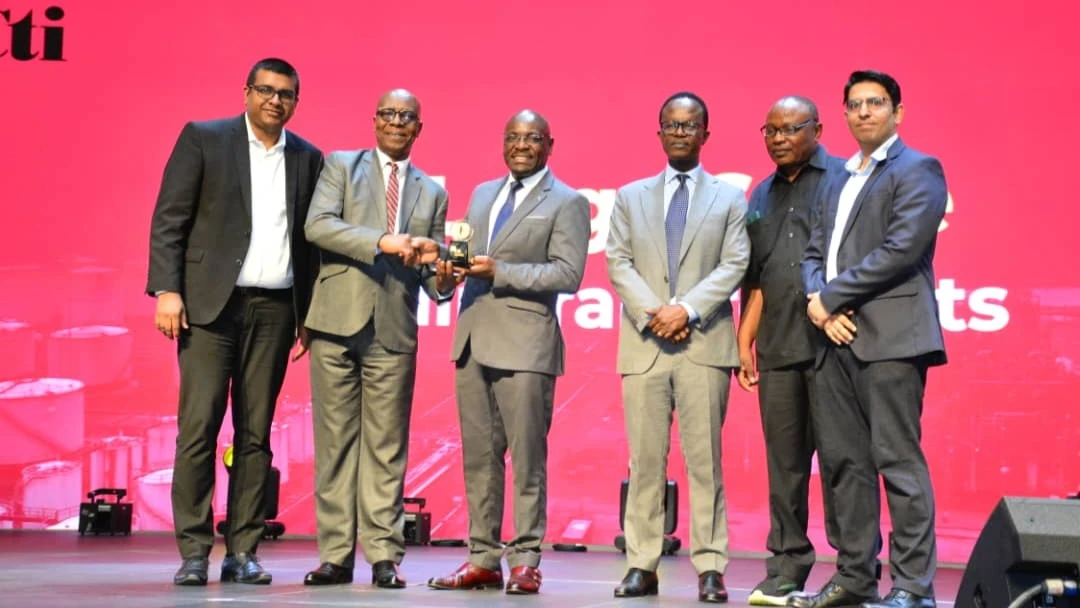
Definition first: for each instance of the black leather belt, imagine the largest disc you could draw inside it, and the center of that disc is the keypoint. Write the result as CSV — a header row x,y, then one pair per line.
x,y
263,292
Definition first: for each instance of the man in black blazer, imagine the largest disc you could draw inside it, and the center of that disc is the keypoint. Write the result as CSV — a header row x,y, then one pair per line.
x,y
233,274
869,274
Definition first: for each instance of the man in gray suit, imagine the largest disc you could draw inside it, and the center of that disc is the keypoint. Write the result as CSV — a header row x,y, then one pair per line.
x,y
677,250
869,272
374,215
531,239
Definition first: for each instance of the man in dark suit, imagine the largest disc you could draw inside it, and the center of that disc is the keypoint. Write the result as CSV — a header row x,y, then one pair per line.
x,y
531,236
676,253
374,214
774,319
869,274
232,274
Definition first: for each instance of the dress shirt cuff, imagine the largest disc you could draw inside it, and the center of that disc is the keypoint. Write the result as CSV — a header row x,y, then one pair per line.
x,y
689,310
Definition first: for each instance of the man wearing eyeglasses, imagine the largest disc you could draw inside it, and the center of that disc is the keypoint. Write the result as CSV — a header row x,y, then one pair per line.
x,y
232,273
779,227
376,218
869,272
530,240
676,252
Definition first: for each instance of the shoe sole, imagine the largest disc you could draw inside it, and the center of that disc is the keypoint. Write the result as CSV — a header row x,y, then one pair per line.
x,y
256,581
758,598
472,588
647,593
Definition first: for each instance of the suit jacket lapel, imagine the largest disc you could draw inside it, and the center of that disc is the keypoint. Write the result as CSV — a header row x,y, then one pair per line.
x,y
652,208
409,196
242,156
480,218
522,210
292,183
704,196
880,168
372,172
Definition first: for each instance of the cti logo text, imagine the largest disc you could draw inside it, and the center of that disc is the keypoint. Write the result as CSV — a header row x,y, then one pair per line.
x,y
26,44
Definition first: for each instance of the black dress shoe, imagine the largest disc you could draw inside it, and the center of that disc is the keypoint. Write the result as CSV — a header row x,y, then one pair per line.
x,y
244,568
192,572
638,583
385,574
899,598
329,574
830,596
710,587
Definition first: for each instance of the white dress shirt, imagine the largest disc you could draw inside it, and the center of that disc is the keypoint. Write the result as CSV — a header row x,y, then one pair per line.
x,y
856,180
268,262
527,186
402,168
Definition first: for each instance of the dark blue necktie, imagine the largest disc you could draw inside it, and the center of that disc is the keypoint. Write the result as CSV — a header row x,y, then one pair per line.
x,y
674,226
475,288
505,211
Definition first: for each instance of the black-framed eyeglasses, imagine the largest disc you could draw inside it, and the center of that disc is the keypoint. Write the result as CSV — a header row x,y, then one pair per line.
x,y
672,127
389,114
770,131
533,139
268,92
872,103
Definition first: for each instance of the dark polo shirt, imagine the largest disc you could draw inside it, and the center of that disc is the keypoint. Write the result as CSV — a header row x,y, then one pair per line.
x,y
778,223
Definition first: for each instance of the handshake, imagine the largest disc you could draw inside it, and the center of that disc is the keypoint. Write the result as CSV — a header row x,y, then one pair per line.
x,y
413,250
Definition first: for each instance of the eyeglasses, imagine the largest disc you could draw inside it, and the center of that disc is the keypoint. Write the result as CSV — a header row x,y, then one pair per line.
x,y
268,92
533,139
389,114
872,103
671,127
770,131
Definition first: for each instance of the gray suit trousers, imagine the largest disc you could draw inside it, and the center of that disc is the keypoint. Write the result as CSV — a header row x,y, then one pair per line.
x,y
502,410
699,394
361,402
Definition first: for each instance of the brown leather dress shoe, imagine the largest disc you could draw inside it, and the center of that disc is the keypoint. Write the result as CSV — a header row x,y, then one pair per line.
x,y
469,576
710,587
638,583
524,580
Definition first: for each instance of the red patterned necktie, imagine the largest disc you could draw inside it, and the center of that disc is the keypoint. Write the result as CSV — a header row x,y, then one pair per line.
x,y
392,200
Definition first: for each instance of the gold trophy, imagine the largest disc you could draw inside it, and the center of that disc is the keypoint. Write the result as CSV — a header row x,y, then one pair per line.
x,y
460,235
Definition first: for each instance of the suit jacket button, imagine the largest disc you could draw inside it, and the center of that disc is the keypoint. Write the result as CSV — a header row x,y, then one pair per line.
x,y
239,261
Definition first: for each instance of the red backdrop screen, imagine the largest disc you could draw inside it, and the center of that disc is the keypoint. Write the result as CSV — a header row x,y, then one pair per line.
x,y
94,95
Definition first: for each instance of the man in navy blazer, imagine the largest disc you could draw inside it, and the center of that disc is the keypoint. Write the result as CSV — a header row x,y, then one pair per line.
x,y
869,274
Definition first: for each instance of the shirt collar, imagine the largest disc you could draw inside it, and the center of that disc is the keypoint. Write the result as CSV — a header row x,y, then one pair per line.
x,y
694,175
403,165
280,143
532,180
819,160
852,165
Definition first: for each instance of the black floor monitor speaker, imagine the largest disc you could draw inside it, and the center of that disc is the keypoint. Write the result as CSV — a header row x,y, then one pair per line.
x,y
1025,541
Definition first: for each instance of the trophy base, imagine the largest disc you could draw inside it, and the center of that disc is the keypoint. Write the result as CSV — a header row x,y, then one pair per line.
x,y
458,254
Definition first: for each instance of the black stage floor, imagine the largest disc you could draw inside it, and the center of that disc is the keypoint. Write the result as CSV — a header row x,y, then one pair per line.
x,y
44,568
